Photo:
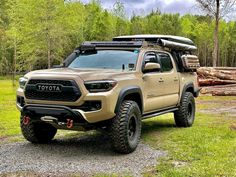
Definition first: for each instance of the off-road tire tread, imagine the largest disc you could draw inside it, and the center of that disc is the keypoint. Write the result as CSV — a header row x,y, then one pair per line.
x,y
31,133
118,128
180,116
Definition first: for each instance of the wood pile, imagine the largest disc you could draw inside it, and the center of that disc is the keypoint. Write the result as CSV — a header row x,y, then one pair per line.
x,y
218,81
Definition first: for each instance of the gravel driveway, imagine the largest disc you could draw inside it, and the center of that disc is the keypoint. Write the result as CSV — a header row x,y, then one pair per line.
x,y
87,155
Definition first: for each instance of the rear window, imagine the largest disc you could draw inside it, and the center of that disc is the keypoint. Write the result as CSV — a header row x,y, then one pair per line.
x,y
166,62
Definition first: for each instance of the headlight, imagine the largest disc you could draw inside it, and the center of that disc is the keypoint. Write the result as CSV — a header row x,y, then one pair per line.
x,y
100,86
22,82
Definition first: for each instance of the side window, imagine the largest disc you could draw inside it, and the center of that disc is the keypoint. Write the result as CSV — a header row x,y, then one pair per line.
x,y
150,58
166,62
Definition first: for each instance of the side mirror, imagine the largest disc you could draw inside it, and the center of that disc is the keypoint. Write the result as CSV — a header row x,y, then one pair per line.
x,y
152,67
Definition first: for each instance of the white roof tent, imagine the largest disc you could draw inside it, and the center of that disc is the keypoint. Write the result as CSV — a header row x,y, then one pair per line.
x,y
169,41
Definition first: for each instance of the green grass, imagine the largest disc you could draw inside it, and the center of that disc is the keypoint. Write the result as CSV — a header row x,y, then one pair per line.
x,y
206,149
216,98
9,115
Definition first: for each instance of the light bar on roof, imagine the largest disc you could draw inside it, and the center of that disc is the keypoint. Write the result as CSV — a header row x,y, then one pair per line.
x,y
135,44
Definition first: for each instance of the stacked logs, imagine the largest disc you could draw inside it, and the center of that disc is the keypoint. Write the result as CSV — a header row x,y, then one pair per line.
x,y
218,81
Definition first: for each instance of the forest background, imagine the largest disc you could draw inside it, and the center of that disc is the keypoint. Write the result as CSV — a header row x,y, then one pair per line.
x,y
39,34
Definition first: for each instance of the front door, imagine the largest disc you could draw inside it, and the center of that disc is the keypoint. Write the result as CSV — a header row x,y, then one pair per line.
x,y
161,87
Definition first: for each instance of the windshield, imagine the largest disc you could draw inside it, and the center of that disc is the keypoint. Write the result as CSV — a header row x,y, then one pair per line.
x,y
107,59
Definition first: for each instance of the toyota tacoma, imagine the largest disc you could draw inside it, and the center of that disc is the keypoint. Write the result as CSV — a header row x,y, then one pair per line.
x,y
112,86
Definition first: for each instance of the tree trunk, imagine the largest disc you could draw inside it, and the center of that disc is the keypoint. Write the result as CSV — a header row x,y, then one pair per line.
x,y
215,54
212,82
225,68
211,89
224,93
205,47
14,64
216,76
49,59
212,73
49,53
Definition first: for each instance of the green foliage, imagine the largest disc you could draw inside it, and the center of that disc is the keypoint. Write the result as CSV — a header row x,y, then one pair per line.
x,y
38,34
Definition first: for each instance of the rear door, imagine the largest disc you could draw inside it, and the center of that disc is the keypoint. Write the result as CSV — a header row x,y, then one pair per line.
x,y
169,79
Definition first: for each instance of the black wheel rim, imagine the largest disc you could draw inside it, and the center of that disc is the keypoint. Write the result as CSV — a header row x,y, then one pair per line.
x,y
190,110
132,127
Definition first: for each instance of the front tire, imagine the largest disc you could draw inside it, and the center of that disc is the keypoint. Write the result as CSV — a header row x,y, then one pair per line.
x,y
185,116
125,128
37,132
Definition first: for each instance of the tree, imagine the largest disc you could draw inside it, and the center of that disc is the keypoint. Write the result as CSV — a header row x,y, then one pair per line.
x,y
170,24
138,25
14,32
73,21
44,35
104,27
216,9
51,31
119,12
94,11
4,22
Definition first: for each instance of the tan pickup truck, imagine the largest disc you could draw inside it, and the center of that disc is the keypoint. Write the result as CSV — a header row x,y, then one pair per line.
x,y
112,86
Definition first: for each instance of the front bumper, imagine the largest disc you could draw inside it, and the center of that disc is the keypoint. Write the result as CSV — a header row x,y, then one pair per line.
x,y
62,113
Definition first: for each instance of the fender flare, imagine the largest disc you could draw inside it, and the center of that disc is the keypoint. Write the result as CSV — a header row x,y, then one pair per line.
x,y
186,87
126,91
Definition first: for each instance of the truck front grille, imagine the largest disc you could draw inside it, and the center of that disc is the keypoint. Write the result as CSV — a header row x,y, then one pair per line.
x,y
53,90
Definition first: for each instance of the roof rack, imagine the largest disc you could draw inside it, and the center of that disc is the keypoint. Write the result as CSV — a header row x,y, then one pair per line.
x,y
169,41
133,44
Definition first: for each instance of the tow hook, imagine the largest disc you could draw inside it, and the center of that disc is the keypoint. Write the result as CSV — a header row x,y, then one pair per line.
x,y
69,123
26,120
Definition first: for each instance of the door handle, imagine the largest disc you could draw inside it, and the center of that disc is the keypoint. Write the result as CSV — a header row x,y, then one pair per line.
x,y
176,79
161,80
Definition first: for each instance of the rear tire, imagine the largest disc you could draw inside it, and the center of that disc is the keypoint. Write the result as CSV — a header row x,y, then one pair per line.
x,y
125,128
185,116
37,132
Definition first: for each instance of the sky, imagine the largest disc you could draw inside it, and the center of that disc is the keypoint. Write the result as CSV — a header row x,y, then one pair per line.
x,y
142,7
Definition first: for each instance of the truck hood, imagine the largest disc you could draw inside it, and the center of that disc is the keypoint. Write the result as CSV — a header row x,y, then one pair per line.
x,y
86,75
